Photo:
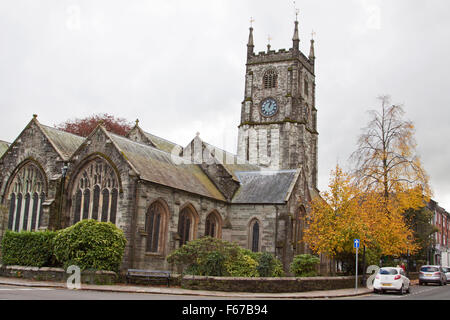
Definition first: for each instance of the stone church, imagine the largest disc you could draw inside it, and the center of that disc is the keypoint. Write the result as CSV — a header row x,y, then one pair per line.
x,y
162,194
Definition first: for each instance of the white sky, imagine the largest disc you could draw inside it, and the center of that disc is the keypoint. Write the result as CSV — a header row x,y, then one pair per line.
x,y
179,67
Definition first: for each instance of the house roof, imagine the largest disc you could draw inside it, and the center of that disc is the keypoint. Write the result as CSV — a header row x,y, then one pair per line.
x,y
161,167
265,187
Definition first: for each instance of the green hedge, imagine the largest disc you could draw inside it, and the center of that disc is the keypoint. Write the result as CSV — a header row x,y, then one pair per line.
x,y
209,256
28,248
90,244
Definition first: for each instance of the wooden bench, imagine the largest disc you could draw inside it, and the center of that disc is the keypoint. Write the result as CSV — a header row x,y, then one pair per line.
x,y
137,273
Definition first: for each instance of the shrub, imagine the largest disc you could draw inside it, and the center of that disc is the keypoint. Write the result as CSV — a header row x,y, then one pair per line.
x,y
90,244
28,248
204,256
242,266
269,266
304,265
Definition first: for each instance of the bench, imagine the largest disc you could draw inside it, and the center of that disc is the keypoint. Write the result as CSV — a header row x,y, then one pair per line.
x,y
137,273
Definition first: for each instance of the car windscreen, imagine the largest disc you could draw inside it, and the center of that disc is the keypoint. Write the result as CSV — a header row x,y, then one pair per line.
x,y
429,269
388,271
446,269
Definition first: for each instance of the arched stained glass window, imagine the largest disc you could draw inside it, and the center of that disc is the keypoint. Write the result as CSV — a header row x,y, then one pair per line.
x,y
155,219
212,225
185,223
254,235
95,191
28,181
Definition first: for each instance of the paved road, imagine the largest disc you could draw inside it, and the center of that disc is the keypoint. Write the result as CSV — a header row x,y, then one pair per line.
x,y
429,292
26,293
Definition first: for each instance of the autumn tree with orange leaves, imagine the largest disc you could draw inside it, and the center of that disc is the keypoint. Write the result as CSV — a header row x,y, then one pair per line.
x,y
370,203
345,212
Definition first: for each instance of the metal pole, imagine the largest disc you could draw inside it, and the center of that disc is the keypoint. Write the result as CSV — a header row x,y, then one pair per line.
x,y
364,266
356,278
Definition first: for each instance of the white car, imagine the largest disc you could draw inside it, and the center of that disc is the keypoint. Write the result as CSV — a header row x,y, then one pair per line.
x,y
391,279
447,272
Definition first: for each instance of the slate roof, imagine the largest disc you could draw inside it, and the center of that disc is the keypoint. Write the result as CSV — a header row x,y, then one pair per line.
x,y
157,166
65,143
160,143
3,147
265,187
231,162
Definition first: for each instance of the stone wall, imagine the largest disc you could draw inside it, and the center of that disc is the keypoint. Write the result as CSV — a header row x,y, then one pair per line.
x,y
269,285
58,274
174,201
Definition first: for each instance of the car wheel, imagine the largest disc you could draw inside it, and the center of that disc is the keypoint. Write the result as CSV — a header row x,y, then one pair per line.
x,y
402,290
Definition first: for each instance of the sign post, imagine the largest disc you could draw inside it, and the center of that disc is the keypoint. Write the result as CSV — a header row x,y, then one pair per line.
x,y
356,246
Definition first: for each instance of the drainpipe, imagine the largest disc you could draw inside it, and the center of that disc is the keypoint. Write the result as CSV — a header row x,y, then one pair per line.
x,y
276,230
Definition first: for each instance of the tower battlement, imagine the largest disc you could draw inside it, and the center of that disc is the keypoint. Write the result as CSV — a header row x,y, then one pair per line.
x,y
272,56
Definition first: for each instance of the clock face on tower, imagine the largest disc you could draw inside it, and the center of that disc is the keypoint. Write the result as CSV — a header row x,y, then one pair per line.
x,y
269,107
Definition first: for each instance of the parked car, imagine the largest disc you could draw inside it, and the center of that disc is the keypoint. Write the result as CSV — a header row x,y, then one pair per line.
x,y
432,274
391,279
447,273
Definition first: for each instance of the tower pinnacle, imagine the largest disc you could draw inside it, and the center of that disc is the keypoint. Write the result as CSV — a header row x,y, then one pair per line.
x,y
250,44
312,55
296,38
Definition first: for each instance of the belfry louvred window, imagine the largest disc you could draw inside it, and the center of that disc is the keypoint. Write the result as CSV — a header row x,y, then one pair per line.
x,y
95,192
270,79
26,195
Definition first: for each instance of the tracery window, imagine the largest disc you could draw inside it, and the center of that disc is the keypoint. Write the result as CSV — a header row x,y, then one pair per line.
x,y
270,79
154,226
26,194
95,192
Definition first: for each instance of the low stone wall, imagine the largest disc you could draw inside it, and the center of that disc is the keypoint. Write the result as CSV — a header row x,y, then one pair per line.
x,y
57,274
269,285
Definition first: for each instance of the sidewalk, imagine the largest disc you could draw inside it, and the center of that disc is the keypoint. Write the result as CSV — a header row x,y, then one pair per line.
x,y
179,291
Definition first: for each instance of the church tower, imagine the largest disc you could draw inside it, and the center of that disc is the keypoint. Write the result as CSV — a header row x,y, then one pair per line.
x,y
278,128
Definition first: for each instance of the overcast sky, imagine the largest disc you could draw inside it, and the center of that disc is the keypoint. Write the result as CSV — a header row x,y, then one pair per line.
x,y
179,67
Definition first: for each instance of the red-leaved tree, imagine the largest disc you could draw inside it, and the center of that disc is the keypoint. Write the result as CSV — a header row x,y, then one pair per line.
x,y
83,127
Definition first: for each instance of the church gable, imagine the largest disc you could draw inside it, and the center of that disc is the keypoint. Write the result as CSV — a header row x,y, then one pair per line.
x,y
32,144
